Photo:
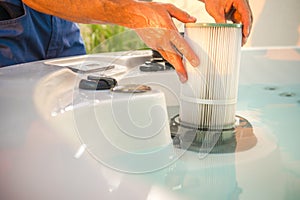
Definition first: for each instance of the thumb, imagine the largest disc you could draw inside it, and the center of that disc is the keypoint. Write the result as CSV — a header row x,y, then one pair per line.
x,y
219,17
217,14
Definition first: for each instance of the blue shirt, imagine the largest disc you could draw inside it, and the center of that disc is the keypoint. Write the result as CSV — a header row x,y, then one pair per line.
x,y
27,35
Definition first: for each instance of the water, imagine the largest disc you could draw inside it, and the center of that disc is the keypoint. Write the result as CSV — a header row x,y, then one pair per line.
x,y
269,170
277,107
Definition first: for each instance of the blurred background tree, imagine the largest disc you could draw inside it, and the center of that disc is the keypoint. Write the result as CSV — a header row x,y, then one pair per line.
x,y
100,38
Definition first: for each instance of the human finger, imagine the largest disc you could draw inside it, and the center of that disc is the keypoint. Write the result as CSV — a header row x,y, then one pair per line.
x,y
241,13
184,48
179,14
216,11
237,18
175,60
247,25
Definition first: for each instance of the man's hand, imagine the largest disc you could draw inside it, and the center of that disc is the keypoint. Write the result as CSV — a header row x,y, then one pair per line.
x,y
237,11
159,32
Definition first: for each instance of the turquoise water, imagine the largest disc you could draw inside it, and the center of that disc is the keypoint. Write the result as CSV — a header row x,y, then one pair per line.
x,y
278,108
270,170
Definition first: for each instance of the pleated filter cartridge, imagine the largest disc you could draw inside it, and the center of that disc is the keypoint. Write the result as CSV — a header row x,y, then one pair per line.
x,y
208,98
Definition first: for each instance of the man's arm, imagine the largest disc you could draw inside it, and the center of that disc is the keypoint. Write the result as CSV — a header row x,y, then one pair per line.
x,y
151,20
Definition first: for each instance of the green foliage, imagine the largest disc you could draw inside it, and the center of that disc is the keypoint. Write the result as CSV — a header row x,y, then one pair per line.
x,y
109,38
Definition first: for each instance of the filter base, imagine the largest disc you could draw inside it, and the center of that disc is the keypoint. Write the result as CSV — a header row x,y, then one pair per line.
x,y
238,138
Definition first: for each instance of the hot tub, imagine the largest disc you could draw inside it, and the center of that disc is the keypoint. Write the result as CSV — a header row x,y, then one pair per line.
x,y
53,139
